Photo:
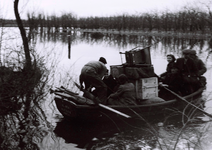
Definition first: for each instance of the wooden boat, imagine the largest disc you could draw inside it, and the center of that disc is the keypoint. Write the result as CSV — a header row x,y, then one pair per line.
x,y
140,71
71,106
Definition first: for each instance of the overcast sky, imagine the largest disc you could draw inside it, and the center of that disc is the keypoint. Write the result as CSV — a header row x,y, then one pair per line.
x,y
84,8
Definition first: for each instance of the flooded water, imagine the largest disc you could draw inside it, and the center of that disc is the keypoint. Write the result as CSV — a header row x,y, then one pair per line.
x,y
55,133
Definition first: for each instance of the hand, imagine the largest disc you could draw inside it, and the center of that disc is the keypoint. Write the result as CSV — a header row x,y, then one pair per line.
x,y
164,85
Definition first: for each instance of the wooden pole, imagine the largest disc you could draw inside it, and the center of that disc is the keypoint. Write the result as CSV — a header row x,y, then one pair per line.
x,y
69,46
183,99
101,105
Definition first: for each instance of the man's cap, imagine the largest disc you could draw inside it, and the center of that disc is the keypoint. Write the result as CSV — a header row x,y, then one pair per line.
x,y
189,51
193,52
103,60
186,51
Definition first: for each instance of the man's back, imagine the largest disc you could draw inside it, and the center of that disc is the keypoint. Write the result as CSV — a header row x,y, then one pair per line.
x,y
126,94
95,67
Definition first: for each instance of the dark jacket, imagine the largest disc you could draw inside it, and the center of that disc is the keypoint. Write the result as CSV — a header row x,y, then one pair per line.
x,y
170,66
174,82
201,66
187,66
91,75
168,71
96,68
125,95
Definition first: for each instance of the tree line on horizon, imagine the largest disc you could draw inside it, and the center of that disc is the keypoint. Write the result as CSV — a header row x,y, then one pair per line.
x,y
186,20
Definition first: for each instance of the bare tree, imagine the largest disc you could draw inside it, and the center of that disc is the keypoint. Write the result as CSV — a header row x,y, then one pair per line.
x,y
28,63
207,5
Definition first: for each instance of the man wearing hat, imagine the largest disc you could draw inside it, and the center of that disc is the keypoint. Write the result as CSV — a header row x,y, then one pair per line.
x,y
92,74
186,65
188,70
200,66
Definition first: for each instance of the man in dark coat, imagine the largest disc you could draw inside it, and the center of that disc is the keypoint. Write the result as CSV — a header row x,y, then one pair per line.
x,y
92,74
189,71
186,65
201,67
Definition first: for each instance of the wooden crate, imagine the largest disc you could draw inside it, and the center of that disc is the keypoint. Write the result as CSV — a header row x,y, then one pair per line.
x,y
148,82
146,88
146,93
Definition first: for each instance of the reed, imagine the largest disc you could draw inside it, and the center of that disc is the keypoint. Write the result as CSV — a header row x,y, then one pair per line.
x,y
187,129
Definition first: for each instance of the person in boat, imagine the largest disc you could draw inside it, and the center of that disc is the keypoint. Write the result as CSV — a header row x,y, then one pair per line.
x,y
91,75
173,81
111,83
188,71
171,62
125,94
201,68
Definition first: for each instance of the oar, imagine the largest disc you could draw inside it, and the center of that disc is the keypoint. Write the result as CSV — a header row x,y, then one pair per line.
x,y
67,91
91,96
183,99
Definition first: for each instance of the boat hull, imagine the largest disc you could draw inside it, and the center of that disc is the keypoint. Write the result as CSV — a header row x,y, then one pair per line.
x,y
71,110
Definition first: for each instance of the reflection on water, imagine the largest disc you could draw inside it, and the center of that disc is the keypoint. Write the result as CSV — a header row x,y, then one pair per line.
x,y
42,130
84,134
133,135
